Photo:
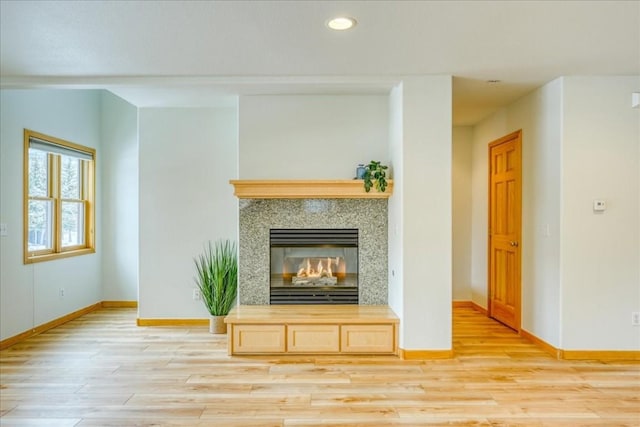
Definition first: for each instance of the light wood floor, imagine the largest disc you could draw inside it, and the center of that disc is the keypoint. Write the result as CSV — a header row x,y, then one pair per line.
x,y
102,370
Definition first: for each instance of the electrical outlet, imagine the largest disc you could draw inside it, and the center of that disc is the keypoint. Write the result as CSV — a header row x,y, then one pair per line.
x,y
635,318
61,292
196,294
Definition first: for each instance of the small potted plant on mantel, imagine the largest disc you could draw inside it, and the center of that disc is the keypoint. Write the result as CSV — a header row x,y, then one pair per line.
x,y
217,280
375,175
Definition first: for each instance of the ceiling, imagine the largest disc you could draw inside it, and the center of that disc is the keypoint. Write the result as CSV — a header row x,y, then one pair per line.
x,y
199,53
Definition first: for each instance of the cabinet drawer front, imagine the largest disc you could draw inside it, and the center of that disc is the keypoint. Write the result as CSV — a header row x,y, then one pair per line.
x,y
367,339
258,339
313,338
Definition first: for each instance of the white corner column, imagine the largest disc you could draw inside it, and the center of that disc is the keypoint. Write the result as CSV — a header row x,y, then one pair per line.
x,y
420,220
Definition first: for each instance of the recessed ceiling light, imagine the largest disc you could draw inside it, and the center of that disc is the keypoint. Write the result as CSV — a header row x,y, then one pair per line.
x,y
341,23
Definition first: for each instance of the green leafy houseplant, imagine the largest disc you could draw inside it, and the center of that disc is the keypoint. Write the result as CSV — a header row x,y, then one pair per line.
x,y
217,277
375,175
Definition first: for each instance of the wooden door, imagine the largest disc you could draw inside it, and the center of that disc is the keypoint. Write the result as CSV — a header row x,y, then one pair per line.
x,y
505,206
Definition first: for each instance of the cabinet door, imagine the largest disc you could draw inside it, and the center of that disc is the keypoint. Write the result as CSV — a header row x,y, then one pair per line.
x,y
258,339
367,339
313,338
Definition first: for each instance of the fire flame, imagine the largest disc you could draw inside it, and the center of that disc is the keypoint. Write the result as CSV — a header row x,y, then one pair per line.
x,y
321,270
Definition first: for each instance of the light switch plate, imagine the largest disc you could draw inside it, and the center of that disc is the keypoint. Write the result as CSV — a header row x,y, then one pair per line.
x,y
599,205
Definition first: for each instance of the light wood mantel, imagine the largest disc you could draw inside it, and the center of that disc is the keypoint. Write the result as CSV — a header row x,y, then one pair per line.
x,y
307,189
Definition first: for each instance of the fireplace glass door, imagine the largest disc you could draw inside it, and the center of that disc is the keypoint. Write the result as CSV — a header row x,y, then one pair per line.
x,y
314,266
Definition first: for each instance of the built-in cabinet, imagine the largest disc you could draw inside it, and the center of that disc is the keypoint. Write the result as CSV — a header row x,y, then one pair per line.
x,y
379,338
312,330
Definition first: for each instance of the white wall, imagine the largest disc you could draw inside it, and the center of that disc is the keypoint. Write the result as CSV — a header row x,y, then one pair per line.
x,y
187,157
426,213
29,294
580,270
411,131
538,115
119,134
484,132
600,251
311,136
395,225
461,211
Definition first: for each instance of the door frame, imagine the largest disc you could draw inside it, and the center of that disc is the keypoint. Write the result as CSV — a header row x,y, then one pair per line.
x,y
517,136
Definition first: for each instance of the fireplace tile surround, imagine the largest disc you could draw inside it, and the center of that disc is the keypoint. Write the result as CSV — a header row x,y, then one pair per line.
x,y
258,216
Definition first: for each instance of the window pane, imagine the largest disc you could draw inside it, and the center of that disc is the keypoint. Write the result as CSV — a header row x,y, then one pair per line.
x,y
70,178
72,224
40,225
38,173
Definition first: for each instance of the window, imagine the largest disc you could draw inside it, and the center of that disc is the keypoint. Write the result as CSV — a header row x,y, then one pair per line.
x,y
58,198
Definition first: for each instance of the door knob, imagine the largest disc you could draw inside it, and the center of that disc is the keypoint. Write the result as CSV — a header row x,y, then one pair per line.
x,y
513,243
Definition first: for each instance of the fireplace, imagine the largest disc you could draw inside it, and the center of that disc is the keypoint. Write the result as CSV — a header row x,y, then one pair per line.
x,y
313,266
257,217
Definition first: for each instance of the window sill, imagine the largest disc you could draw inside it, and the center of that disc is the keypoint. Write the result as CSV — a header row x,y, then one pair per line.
x,y
50,257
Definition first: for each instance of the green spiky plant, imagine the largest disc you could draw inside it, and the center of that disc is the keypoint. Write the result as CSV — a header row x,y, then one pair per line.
x,y
375,175
217,279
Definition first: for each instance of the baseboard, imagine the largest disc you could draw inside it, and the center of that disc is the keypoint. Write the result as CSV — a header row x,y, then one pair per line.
x,y
424,354
600,354
469,304
119,304
581,354
403,353
172,322
462,304
479,309
543,345
558,353
49,325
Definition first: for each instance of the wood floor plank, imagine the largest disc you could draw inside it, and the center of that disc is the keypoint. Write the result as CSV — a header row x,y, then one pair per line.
x,y
407,422
40,422
176,422
103,370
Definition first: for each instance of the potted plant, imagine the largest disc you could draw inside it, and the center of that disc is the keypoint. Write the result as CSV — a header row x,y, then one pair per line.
x,y
217,279
375,175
